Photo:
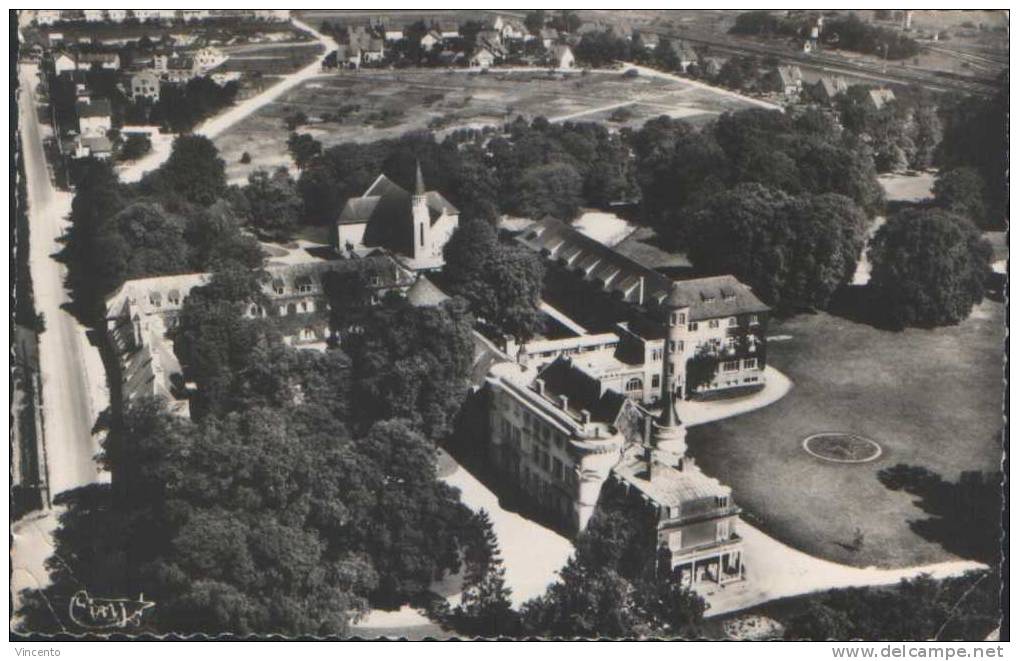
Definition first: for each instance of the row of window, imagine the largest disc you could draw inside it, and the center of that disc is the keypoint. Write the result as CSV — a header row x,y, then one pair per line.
x,y
679,318
734,365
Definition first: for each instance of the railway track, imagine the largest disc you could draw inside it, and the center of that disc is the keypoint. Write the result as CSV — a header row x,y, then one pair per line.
x,y
943,81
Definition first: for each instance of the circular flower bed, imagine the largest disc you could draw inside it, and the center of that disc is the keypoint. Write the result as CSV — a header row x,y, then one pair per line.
x,y
842,447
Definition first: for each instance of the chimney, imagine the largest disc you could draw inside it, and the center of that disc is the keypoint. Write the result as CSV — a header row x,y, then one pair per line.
x,y
585,416
539,385
649,459
563,401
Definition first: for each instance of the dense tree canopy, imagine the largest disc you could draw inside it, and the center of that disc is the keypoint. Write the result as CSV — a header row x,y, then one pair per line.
x,y
973,137
502,283
273,205
409,362
961,608
929,267
194,171
680,168
793,251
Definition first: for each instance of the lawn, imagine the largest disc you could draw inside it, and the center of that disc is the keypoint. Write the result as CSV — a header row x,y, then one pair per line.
x,y
375,104
930,398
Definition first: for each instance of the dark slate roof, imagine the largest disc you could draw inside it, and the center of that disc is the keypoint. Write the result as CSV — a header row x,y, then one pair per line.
x,y
718,296
594,261
582,391
386,209
832,85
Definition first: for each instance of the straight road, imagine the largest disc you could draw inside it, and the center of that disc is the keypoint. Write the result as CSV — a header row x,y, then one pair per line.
x,y
69,388
67,385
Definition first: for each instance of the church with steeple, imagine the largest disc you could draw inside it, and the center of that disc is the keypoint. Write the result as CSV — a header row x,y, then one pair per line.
x,y
413,226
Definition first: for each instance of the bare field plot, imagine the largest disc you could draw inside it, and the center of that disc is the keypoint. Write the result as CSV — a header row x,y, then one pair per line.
x,y
372,105
271,59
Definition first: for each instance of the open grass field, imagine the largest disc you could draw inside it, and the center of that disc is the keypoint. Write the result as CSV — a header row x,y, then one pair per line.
x,y
386,104
930,398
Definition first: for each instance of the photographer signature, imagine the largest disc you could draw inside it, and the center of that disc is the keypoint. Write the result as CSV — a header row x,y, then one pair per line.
x,y
97,613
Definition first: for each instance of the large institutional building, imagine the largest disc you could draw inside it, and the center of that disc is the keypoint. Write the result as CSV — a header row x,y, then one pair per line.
x,y
141,313
621,318
576,414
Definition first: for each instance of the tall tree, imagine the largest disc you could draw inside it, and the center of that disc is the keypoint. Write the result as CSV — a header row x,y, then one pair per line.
x,y
929,267
502,283
194,170
273,205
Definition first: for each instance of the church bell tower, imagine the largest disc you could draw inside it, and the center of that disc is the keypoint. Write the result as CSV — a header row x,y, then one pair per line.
x,y
421,218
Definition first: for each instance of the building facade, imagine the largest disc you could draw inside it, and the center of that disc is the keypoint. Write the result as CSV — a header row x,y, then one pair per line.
x,y
714,325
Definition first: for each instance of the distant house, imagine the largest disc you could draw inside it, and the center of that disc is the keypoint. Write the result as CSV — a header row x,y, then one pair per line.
x,y
827,88
189,15
94,117
64,62
109,61
95,15
116,15
95,146
145,84
208,58
272,15
490,36
447,29
684,53
711,66
648,41
510,29
483,57
413,226
47,16
394,35
562,57
178,69
548,37
880,97
787,80
370,46
430,39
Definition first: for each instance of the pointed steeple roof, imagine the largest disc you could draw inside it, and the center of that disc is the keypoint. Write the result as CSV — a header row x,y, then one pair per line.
x,y
419,181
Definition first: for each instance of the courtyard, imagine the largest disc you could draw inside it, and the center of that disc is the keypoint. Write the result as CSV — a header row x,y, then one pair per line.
x,y
928,398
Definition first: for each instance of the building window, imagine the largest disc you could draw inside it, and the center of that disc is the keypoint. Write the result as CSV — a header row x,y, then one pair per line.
x,y
557,469
730,343
730,366
681,318
656,355
634,385
693,326
750,363
422,236
732,322
753,320
656,381
672,368
713,323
